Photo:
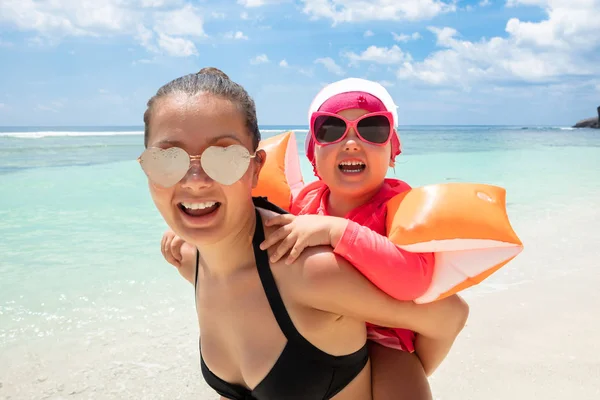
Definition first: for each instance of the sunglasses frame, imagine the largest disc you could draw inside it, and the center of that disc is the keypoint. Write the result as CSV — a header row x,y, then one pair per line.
x,y
190,160
351,124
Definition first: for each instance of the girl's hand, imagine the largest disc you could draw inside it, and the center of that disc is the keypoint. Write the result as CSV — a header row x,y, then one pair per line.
x,y
299,232
170,247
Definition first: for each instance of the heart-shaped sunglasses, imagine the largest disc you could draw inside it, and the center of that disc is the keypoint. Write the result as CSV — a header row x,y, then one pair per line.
x,y
166,167
373,128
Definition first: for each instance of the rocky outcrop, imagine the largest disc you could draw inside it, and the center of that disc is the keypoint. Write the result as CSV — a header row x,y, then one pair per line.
x,y
590,122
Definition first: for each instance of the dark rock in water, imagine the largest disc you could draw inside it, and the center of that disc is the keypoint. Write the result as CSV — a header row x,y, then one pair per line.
x,y
590,122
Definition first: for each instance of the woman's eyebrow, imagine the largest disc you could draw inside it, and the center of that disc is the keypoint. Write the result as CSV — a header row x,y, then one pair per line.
x,y
225,136
177,143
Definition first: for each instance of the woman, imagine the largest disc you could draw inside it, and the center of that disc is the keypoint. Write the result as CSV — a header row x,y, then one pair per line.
x,y
268,331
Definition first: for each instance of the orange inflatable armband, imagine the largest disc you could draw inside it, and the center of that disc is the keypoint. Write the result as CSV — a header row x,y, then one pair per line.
x,y
281,177
465,224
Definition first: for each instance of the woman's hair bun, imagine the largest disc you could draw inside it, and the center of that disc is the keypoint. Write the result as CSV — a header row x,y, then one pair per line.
x,y
213,71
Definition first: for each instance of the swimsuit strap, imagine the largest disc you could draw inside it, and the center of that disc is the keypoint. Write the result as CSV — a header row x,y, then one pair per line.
x,y
263,202
269,285
266,275
196,278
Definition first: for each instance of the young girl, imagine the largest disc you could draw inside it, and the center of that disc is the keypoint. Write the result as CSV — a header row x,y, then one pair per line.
x,y
351,144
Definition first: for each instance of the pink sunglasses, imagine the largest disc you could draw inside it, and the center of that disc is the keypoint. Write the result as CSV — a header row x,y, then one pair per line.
x,y
373,128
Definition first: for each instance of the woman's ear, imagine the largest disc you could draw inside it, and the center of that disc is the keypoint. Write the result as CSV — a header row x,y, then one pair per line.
x,y
259,162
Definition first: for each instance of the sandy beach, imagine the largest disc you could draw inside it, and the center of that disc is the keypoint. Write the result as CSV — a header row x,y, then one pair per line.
x,y
532,334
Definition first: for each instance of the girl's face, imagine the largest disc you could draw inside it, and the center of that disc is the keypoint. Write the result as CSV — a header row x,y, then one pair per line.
x,y
198,208
352,167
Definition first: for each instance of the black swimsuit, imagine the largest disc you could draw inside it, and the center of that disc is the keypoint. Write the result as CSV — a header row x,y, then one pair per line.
x,y
302,371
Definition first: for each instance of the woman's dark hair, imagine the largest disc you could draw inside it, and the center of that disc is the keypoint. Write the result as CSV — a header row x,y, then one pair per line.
x,y
216,82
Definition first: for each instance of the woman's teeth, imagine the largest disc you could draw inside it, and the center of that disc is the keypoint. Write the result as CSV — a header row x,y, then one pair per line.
x,y
199,206
352,166
199,209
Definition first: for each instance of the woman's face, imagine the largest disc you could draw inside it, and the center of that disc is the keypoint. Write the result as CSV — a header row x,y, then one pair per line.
x,y
199,209
368,162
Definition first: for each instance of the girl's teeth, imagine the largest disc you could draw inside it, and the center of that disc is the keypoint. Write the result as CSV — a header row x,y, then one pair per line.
x,y
352,166
352,163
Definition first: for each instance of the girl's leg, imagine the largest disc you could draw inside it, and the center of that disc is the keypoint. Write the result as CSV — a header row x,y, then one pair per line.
x,y
397,375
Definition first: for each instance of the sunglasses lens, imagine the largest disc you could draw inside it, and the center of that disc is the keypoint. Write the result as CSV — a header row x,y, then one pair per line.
x,y
225,165
328,129
375,129
165,167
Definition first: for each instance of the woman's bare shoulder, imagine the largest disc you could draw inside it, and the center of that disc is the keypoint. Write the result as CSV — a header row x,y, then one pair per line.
x,y
314,276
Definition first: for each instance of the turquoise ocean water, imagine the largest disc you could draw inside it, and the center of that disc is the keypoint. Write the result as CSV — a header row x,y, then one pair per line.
x,y
79,248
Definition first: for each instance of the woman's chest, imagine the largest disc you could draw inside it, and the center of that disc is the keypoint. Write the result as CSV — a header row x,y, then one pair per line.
x,y
240,337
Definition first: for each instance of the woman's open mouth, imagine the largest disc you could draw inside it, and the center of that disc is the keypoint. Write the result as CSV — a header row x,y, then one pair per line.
x,y
199,209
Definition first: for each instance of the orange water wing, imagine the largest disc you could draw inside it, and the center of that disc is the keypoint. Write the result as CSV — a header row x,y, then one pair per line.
x,y
474,280
272,182
449,211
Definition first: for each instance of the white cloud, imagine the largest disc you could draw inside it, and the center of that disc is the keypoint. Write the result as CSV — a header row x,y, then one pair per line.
x,y
570,24
485,3
146,38
158,3
406,38
376,10
330,65
177,47
536,52
259,59
75,18
156,24
516,3
307,72
185,21
258,3
244,15
368,33
301,70
239,35
379,55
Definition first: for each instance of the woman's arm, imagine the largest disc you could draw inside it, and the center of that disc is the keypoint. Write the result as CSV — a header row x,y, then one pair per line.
x,y
432,351
328,282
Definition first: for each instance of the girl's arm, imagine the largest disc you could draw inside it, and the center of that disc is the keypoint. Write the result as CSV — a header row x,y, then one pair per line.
x,y
399,273
180,254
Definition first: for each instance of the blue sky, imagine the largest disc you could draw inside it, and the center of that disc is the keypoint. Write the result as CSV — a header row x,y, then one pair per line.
x,y
89,62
